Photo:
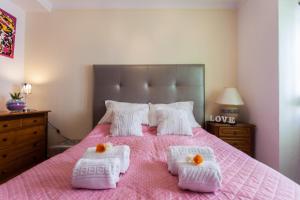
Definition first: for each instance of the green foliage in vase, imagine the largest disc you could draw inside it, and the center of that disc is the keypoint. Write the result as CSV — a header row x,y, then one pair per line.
x,y
16,96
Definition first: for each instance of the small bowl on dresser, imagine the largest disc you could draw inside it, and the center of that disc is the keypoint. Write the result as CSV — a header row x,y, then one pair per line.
x,y
15,105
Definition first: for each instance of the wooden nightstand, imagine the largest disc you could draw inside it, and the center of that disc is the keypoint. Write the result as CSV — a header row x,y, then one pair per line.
x,y
23,141
241,135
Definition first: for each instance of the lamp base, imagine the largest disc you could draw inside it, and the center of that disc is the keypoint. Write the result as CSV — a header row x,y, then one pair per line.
x,y
230,111
28,110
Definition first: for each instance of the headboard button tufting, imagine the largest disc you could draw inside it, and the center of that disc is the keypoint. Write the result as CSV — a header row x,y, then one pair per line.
x,y
175,85
148,83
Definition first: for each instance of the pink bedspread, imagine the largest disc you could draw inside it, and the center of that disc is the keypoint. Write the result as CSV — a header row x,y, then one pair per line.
x,y
148,177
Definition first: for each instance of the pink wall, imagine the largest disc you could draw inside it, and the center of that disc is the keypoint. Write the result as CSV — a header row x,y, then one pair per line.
x,y
258,73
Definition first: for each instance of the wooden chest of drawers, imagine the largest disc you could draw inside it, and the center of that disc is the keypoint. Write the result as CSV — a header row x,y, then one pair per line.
x,y
23,141
240,135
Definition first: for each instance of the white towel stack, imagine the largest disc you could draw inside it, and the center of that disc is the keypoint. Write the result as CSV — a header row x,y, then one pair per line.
x,y
120,151
96,173
101,170
205,177
178,154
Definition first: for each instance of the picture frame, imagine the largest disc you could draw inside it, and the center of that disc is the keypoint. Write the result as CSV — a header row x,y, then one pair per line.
x,y
7,34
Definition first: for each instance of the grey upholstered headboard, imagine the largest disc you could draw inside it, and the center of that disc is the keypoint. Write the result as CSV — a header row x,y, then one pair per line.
x,y
149,83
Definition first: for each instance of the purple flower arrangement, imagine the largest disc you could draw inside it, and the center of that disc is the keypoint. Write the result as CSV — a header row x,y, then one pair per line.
x,y
15,103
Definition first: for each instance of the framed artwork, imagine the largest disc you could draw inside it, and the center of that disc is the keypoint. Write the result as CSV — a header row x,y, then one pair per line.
x,y
7,34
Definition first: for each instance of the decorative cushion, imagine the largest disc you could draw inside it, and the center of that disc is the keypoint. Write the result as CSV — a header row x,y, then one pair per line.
x,y
115,105
186,106
173,122
126,122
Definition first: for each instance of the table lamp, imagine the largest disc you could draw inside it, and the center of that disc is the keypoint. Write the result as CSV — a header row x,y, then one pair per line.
x,y
26,90
230,101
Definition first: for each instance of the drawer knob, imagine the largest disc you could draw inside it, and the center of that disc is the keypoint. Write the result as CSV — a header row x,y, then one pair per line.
x,y
5,125
34,144
4,155
4,139
35,121
35,132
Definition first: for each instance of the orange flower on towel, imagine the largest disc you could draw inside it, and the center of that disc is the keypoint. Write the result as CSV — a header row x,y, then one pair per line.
x,y
198,159
100,148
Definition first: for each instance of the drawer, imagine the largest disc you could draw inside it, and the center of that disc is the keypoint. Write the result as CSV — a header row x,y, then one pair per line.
x,y
6,139
238,143
29,134
5,156
7,170
237,140
33,121
10,168
30,147
8,155
31,159
234,132
9,125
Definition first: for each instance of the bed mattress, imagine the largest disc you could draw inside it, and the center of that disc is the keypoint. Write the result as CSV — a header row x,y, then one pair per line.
x,y
148,177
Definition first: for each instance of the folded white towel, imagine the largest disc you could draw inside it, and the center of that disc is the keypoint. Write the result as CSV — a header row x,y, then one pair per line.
x,y
200,178
177,154
120,151
96,173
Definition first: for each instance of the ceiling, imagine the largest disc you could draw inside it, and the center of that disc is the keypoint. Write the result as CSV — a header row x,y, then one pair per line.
x,y
49,5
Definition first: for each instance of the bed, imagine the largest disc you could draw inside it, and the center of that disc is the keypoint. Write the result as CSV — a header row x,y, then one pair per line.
x,y
147,176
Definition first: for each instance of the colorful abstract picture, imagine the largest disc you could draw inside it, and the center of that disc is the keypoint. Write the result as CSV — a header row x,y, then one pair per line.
x,y
7,34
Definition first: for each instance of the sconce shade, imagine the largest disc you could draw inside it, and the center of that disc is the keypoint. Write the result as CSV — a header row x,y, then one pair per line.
x,y
26,88
230,96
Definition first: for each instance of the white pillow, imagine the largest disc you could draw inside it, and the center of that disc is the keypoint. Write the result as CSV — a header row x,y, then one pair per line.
x,y
173,122
115,105
186,106
126,123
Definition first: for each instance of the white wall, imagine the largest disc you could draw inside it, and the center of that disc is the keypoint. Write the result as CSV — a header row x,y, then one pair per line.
x,y
258,73
61,46
289,71
12,70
